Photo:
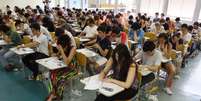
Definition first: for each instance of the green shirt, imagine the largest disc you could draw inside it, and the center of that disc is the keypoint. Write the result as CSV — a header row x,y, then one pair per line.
x,y
15,38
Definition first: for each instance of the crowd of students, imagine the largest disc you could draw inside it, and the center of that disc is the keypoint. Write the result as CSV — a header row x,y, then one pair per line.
x,y
102,28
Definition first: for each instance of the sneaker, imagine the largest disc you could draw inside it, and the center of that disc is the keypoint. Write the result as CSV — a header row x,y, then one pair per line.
x,y
15,69
31,77
168,91
177,77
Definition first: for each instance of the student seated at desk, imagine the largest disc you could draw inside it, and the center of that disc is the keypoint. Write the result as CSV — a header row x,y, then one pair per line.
x,y
165,47
60,32
13,39
40,42
151,60
101,43
124,74
23,27
67,52
90,31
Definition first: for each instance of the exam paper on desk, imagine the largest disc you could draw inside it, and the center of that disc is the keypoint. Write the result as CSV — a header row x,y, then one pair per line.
x,y
93,83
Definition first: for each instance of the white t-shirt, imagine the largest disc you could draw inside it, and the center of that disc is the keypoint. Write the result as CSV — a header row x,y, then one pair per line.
x,y
43,43
71,37
90,31
156,59
46,33
187,37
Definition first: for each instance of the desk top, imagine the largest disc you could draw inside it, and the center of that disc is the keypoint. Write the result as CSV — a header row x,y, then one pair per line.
x,y
22,51
107,89
51,63
3,43
88,53
144,71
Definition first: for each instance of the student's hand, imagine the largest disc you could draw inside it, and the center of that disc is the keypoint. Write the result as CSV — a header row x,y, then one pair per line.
x,y
107,80
20,46
96,46
59,47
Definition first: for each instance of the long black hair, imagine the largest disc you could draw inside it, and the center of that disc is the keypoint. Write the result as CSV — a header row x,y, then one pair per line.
x,y
124,61
65,42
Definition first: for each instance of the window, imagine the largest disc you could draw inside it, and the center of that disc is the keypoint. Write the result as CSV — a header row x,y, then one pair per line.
x,y
181,8
151,6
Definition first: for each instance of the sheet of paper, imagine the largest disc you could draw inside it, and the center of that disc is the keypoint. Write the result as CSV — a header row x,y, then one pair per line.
x,y
101,61
22,51
93,83
2,42
115,89
51,63
87,52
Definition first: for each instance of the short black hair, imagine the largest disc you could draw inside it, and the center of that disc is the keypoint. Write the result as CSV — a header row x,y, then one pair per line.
x,y
196,23
177,19
149,46
130,17
156,13
18,22
190,28
4,28
102,28
108,29
184,26
35,26
167,19
59,32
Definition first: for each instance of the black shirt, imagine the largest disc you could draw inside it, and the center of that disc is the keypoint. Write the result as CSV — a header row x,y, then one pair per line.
x,y
104,43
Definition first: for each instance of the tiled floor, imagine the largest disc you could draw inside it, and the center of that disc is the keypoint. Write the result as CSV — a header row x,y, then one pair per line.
x,y
14,87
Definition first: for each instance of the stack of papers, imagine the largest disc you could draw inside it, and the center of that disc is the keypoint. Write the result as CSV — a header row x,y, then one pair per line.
x,y
107,89
51,63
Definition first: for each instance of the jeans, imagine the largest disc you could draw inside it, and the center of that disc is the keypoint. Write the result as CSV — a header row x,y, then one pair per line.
x,y
8,57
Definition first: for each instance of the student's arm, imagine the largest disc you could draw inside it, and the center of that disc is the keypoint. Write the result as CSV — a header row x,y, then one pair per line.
x,y
105,71
90,43
135,36
30,45
167,50
102,52
130,77
153,68
66,59
138,56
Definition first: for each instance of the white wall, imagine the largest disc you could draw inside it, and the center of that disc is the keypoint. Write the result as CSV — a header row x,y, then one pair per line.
x,y
20,3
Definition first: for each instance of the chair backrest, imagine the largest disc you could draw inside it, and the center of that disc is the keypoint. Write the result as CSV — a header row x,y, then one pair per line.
x,y
53,35
151,35
50,49
77,41
81,60
26,39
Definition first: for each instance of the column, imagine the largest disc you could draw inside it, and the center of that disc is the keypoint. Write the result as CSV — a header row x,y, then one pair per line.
x,y
197,10
138,3
165,6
